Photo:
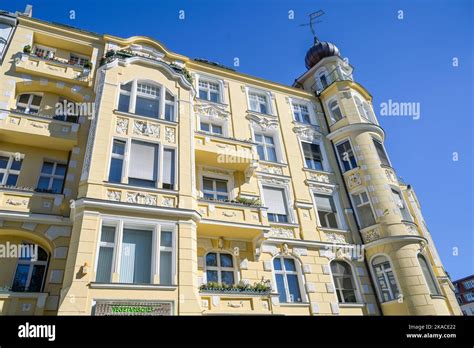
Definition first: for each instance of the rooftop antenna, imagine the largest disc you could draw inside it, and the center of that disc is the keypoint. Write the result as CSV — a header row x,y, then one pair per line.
x,y
312,21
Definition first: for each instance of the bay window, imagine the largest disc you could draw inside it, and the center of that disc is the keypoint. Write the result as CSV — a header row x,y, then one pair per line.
x,y
363,207
275,200
288,279
220,268
136,252
147,99
10,167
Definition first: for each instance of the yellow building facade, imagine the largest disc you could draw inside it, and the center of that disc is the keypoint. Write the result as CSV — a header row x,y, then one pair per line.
x,y
192,189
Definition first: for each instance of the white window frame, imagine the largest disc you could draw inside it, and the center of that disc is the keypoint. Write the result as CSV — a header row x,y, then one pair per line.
x,y
211,79
134,93
340,159
374,139
317,76
126,161
284,272
364,109
369,202
212,121
309,106
377,285
266,94
330,109
432,275
402,201
341,221
289,200
31,267
355,282
53,175
325,162
7,171
141,224
219,268
28,105
209,173
276,139
214,191
468,284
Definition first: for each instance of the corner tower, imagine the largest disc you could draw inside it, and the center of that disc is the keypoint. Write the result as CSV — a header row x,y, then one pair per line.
x,y
406,271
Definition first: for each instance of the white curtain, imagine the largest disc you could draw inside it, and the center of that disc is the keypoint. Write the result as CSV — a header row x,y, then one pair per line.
x,y
275,200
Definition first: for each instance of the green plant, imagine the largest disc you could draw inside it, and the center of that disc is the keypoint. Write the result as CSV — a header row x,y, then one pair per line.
x,y
248,201
88,65
110,53
27,49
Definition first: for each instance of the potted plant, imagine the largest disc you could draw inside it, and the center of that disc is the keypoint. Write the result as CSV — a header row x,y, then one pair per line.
x,y
27,49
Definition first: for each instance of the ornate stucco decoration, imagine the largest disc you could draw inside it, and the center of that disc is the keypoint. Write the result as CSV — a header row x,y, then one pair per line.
x,y
320,177
335,238
271,169
167,202
280,232
146,51
212,111
170,135
354,180
146,128
141,198
273,180
121,126
307,133
16,203
114,195
265,123
371,235
324,189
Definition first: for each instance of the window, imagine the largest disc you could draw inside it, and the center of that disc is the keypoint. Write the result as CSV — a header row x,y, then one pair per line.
x,y
116,163
29,103
77,60
30,273
469,296
346,156
169,169
211,128
259,103
381,152
63,113
137,255
335,111
147,102
312,155
143,167
385,279
327,211
52,177
428,275
343,282
301,113
220,268
275,200
469,284
215,188
365,111
287,279
169,107
266,147
44,52
323,79
10,167
363,208
147,99
209,91
400,203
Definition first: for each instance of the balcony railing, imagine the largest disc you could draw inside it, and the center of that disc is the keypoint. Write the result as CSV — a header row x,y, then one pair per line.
x,y
335,75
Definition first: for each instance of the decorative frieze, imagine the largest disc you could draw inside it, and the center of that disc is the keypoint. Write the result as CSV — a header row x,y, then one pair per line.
x,y
114,195
170,135
371,235
354,180
271,169
141,198
280,232
146,128
320,177
335,238
307,133
265,123
212,111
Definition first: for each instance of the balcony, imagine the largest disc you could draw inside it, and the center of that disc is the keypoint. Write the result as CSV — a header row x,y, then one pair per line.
x,y
53,68
26,200
37,130
219,303
226,153
335,75
22,303
236,220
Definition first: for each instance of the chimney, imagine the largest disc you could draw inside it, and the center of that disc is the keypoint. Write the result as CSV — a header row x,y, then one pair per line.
x,y
28,10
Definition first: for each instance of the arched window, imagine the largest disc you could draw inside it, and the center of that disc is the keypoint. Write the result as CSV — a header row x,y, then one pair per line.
x,y
385,279
288,279
428,275
29,103
335,111
220,268
147,99
365,111
344,282
30,270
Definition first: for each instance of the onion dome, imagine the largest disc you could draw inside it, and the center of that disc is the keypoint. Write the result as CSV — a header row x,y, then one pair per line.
x,y
320,50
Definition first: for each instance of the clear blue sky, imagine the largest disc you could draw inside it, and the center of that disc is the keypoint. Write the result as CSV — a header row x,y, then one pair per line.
x,y
407,60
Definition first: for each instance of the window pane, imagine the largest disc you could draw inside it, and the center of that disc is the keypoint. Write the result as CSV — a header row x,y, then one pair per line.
x,y
221,186
47,168
104,265
217,129
381,153
11,180
205,127
271,154
212,276
4,162
226,260
263,108
135,266
60,169
293,288
261,152
214,97
21,277
57,186
277,264
269,140
36,100
147,107
208,184
166,239
24,98
165,267
124,102
43,183
211,259
203,94
118,147
281,288
290,265
227,277
115,174
16,165
108,234
169,112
